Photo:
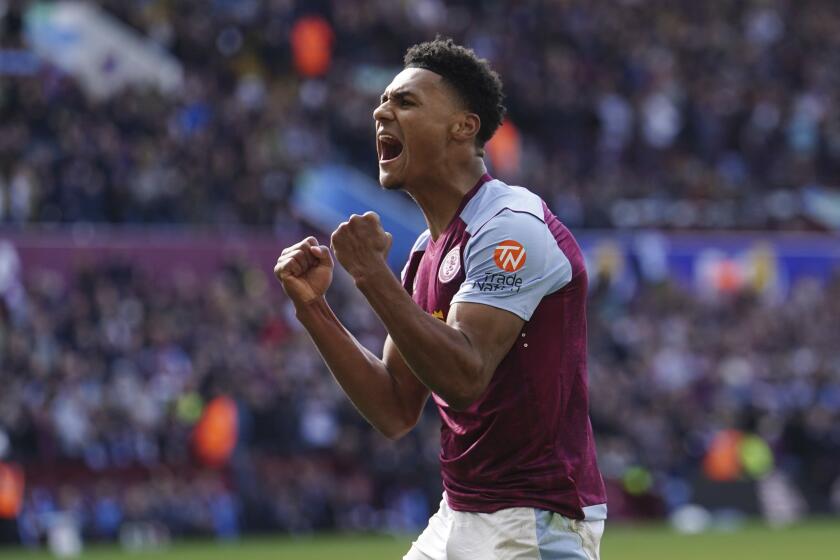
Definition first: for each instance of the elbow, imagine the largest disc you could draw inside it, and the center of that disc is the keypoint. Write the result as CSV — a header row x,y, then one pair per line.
x,y
396,430
461,403
464,397
473,382
394,434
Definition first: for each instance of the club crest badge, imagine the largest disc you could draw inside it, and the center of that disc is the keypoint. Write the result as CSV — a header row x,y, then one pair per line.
x,y
450,266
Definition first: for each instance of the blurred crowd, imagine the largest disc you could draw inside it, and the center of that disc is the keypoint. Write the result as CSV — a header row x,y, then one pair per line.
x,y
625,113
671,370
628,113
107,373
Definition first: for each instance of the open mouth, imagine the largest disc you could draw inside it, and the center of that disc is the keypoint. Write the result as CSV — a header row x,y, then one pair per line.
x,y
389,148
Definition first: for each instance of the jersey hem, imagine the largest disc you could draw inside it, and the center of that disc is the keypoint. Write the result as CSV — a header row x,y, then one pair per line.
x,y
593,512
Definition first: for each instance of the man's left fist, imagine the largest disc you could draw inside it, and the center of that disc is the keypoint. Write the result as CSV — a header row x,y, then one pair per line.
x,y
361,245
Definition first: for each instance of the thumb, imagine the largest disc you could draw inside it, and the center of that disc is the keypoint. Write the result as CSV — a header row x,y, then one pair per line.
x,y
322,253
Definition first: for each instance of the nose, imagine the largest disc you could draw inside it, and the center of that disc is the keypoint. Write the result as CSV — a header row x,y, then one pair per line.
x,y
383,113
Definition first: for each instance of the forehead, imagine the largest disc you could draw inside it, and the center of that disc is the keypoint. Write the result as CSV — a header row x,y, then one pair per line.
x,y
417,80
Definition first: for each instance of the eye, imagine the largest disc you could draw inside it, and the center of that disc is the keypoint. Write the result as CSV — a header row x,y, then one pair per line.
x,y
405,102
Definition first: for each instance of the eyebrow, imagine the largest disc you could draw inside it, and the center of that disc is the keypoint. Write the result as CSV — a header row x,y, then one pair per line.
x,y
398,94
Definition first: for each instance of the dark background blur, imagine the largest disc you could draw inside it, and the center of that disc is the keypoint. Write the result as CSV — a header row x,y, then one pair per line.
x,y
151,370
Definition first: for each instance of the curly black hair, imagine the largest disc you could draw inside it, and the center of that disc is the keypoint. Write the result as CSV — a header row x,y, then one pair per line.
x,y
478,85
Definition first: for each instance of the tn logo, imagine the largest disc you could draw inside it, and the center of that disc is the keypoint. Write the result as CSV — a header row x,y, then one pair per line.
x,y
509,255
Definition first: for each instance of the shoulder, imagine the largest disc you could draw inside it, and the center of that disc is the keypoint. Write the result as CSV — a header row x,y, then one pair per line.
x,y
498,201
500,212
508,229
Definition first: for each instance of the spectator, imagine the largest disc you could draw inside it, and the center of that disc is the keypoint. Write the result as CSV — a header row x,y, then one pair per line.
x,y
99,383
635,114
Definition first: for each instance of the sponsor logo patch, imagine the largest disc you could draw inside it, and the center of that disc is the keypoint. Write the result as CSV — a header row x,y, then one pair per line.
x,y
499,282
450,265
509,255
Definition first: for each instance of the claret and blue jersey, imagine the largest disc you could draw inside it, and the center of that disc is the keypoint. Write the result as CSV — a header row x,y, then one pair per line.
x,y
527,441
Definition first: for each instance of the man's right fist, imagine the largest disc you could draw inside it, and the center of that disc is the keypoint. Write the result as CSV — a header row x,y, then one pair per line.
x,y
305,270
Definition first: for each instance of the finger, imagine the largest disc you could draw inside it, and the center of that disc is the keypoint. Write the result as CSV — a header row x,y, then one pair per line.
x,y
296,247
371,216
288,267
303,257
322,253
309,241
338,233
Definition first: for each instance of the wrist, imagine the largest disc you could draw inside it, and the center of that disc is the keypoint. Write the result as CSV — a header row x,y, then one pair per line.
x,y
306,310
371,276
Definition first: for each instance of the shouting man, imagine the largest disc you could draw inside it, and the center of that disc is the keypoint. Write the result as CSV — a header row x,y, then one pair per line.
x,y
490,319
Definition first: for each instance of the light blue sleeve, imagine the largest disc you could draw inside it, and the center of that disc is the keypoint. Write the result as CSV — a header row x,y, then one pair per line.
x,y
511,263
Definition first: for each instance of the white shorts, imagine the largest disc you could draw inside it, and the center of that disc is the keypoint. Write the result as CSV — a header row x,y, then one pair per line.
x,y
508,534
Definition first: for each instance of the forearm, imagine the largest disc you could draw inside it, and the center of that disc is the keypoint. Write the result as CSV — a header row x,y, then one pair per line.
x,y
363,377
440,356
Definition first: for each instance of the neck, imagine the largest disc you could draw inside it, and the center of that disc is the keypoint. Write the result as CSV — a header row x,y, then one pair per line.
x,y
440,194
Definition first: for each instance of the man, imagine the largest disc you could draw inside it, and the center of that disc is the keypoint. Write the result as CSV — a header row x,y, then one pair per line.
x,y
490,319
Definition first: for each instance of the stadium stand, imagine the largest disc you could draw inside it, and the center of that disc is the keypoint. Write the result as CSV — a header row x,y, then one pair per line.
x,y
677,115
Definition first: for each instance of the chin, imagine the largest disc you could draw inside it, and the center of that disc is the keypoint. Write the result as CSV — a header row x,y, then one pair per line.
x,y
390,183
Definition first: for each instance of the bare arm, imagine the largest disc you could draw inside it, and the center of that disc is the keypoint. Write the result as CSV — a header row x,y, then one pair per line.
x,y
384,391
455,359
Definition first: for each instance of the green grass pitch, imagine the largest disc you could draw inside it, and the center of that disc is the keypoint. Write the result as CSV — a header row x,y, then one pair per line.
x,y
814,540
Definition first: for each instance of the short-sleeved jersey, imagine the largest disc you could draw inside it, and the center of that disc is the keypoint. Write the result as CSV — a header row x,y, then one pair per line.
x,y
527,441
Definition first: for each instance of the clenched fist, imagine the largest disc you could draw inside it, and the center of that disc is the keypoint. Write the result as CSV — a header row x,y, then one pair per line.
x,y
361,245
305,270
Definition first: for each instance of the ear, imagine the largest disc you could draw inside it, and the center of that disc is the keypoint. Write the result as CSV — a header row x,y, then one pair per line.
x,y
466,127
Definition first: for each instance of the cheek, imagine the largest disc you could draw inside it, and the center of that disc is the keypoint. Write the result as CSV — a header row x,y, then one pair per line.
x,y
427,139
